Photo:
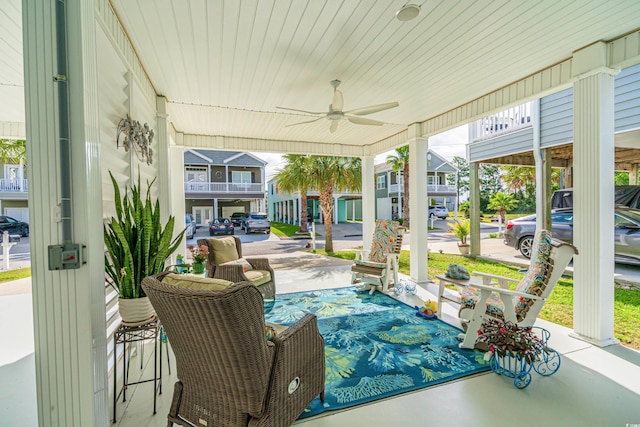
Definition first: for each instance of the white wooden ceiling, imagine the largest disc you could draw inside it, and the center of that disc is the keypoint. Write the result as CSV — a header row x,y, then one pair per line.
x,y
226,64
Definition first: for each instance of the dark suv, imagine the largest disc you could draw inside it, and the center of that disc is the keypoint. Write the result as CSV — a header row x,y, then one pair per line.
x,y
257,221
237,219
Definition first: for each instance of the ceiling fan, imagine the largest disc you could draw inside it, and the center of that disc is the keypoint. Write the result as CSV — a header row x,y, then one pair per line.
x,y
335,113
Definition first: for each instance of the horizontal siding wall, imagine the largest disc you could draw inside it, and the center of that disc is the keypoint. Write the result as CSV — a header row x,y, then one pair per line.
x,y
627,99
511,143
556,119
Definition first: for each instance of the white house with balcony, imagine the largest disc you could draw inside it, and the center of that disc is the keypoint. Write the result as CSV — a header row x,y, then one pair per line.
x,y
14,191
390,187
219,183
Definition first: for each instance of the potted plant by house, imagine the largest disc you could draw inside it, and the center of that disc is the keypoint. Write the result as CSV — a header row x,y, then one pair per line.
x,y
137,247
514,350
199,256
461,229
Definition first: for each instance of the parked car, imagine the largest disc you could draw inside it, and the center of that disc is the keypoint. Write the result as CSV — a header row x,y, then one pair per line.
x,y
237,218
519,232
191,226
13,226
438,211
221,226
257,221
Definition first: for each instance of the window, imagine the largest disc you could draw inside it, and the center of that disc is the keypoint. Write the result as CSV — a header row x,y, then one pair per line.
x,y
195,174
241,177
381,182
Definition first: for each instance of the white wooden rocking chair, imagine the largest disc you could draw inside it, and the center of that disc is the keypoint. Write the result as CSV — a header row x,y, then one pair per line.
x,y
378,267
521,306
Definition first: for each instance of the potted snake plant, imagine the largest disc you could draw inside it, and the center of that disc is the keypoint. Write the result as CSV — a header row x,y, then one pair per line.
x,y
137,247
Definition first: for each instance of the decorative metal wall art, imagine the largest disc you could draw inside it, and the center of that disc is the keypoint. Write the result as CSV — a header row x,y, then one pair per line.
x,y
132,135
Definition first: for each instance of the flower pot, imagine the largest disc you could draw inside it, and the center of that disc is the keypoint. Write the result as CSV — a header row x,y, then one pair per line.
x,y
135,311
198,267
464,248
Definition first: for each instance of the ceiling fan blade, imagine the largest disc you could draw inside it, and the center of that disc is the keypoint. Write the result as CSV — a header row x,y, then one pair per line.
x,y
334,126
301,111
301,123
338,101
372,109
363,121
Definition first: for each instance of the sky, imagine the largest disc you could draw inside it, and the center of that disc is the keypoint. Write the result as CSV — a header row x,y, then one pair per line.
x,y
447,144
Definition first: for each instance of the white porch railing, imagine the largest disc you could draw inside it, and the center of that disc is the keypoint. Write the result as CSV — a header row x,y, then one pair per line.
x,y
222,187
19,185
398,188
506,121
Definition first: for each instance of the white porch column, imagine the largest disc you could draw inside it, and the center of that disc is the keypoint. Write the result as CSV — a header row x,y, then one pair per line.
x,y
163,159
368,201
417,205
633,174
68,305
353,210
474,208
263,206
593,196
296,209
176,154
335,209
215,209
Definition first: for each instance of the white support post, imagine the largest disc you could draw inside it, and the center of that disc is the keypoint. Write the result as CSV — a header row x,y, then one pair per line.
x,y
418,209
215,209
593,196
163,159
335,209
176,154
368,201
68,305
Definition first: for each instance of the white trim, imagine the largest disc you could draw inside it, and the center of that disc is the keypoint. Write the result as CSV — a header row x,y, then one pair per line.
x,y
227,160
202,156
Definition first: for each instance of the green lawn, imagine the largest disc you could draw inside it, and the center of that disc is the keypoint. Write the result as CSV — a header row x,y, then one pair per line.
x,y
11,275
285,230
559,307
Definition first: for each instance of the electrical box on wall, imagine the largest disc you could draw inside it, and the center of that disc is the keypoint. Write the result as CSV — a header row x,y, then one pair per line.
x,y
67,256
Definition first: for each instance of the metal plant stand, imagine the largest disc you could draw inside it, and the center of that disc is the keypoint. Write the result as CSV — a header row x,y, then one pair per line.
x,y
127,335
547,362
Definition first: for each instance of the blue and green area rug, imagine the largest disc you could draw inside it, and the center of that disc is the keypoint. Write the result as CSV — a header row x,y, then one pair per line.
x,y
375,346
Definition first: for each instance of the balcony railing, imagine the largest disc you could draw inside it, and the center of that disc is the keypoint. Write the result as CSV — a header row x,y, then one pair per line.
x,y
14,185
222,187
431,189
506,121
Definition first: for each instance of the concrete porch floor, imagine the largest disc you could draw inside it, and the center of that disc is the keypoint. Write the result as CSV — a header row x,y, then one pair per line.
x,y
594,386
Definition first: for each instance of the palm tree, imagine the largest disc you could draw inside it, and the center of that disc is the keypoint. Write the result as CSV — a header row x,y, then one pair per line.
x,y
295,176
502,202
12,151
329,175
400,162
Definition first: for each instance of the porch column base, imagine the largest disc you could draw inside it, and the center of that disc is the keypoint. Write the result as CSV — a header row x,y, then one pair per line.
x,y
598,343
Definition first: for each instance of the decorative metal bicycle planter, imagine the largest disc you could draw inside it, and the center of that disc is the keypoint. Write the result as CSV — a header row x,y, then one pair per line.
x,y
543,359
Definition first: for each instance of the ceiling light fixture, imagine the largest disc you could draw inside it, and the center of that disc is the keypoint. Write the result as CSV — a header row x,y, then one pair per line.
x,y
408,12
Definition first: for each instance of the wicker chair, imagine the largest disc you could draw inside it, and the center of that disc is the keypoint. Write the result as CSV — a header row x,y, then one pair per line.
x,y
229,267
229,374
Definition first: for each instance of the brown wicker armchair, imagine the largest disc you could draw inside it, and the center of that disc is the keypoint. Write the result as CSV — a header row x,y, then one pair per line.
x,y
229,374
225,251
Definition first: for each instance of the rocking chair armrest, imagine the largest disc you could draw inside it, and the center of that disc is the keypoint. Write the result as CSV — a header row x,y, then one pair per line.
x,y
495,276
361,254
502,291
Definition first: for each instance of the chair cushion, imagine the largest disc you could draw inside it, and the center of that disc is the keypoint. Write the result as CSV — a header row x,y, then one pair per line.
x,y
384,240
537,277
246,266
370,263
193,282
470,296
224,250
258,277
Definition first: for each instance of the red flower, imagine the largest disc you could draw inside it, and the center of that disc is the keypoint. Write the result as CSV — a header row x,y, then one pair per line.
x,y
479,331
